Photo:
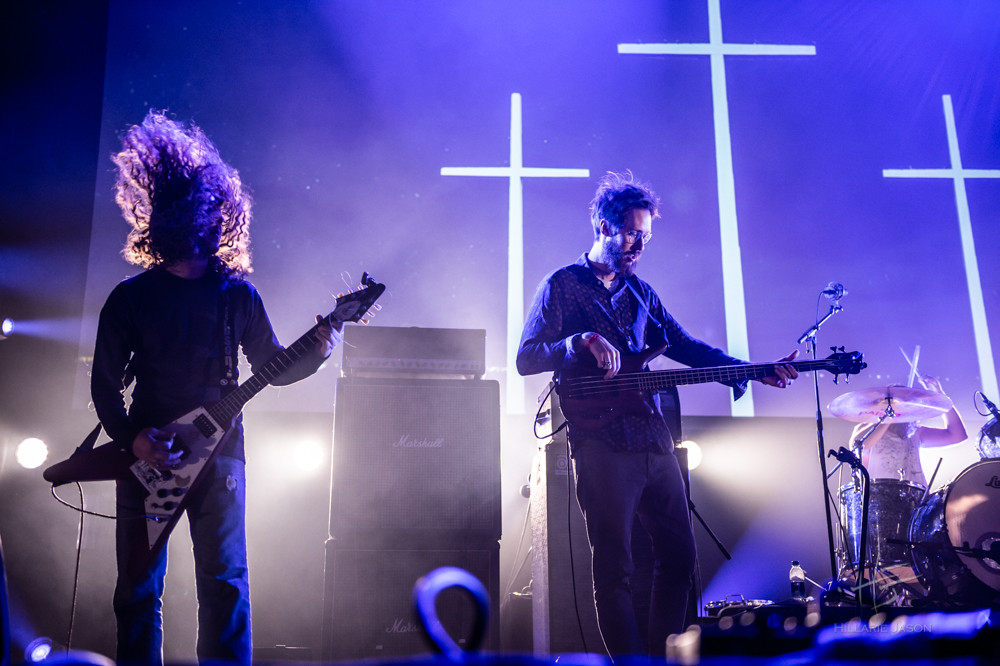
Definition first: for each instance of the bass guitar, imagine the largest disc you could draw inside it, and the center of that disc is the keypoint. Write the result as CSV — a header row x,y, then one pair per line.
x,y
201,435
590,402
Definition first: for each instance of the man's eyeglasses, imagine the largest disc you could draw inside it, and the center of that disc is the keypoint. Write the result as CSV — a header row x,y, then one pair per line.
x,y
634,236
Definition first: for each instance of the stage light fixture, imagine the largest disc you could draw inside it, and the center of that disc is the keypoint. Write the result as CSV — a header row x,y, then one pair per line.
x,y
31,453
308,456
6,328
694,453
38,650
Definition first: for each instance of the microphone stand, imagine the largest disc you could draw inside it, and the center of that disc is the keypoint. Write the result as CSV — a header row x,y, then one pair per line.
x,y
810,337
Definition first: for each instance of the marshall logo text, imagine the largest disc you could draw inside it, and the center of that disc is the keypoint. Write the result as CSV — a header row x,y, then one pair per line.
x,y
408,442
401,626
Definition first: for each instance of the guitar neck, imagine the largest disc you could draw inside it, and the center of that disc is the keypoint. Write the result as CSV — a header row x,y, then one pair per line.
x,y
727,373
232,404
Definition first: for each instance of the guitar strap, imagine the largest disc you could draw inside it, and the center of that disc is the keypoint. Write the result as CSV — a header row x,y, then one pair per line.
x,y
669,398
645,306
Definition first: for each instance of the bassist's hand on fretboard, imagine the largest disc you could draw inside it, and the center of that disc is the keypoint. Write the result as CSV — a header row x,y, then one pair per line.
x,y
784,373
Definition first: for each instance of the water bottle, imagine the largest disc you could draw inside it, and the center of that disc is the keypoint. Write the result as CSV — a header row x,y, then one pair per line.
x,y
797,578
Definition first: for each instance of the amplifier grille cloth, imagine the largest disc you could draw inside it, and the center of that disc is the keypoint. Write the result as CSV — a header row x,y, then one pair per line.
x,y
417,457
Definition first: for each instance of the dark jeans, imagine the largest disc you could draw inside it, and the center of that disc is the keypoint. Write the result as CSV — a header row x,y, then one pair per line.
x,y
216,517
614,487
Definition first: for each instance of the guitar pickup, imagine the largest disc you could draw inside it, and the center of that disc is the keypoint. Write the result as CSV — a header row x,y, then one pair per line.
x,y
205,426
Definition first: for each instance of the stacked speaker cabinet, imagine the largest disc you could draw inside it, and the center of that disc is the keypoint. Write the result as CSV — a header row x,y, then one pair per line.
x,y
416,486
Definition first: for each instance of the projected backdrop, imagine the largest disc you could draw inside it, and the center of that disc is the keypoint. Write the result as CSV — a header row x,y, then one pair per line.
x,y
451,150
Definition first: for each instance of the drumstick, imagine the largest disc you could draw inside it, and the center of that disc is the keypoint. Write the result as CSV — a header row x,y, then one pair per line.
x,y
912,364
931,482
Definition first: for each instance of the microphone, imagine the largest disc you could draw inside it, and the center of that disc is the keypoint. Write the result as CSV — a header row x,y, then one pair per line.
x,y
834,292
990,406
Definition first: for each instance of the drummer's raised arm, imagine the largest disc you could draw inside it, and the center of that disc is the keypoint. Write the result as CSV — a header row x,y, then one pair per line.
x,y
860,430
954,430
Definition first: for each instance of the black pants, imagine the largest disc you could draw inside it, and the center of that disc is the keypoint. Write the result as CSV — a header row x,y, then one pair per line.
x,y
613,488
216,518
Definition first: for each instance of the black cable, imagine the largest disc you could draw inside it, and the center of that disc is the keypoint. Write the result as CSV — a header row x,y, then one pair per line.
x,y
515,569
76,575
569,532
80,508
538,416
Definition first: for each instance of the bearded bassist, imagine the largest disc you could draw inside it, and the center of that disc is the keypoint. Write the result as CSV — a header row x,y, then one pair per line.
x,y
588,313
176,329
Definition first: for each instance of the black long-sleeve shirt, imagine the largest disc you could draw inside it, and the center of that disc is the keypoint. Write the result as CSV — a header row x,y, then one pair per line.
x,y
571,301
168,332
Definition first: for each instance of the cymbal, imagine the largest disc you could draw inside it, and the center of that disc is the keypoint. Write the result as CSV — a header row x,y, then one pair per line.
x,y
908,404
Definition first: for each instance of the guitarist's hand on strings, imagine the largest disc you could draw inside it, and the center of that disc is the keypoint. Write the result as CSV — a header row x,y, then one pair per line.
x,y
784,374
155,447
607,356
327,336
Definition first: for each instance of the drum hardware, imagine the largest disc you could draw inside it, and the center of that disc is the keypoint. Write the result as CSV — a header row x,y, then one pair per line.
x,y
930,484
952,537
854,459
955,539
845,456
890,505
883,514
992,553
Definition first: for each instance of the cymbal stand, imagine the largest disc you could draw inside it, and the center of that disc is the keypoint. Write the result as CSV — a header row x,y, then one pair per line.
x,y
858,445
809,337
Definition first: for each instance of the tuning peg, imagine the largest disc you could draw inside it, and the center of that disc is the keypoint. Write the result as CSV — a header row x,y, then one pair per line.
x,y
364,321
842,349
833,349
376,307
836,379
340,295
847,379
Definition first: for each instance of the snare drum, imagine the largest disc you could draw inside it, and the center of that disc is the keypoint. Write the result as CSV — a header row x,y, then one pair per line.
x,y
965,513
890,506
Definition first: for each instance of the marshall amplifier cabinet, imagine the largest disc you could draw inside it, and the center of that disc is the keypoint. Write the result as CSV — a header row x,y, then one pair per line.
x,y
414,457
368,606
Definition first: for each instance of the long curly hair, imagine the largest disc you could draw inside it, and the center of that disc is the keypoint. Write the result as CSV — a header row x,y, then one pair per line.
x,y
180,198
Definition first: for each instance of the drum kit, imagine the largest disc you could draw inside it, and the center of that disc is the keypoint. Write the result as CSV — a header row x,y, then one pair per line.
x,y
926,548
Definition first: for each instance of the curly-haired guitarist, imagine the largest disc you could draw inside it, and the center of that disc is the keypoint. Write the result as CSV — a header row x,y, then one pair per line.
x,y
175,329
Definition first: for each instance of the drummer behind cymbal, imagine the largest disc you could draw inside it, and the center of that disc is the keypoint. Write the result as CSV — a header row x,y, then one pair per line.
x,y
896,446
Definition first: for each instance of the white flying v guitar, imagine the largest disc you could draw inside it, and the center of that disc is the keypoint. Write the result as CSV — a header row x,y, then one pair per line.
x,y
201,434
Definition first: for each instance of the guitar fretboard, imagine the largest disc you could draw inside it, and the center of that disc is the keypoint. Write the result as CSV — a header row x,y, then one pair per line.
x,y
224,410
651,381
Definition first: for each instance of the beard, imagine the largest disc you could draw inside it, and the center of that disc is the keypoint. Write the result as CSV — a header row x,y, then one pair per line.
x,y
623,263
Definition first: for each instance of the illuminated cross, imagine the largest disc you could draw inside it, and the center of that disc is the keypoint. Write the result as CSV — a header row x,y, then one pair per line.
x,y
737,341
984,350
515,242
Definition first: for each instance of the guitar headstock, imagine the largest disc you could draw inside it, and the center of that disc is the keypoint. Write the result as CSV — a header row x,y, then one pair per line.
x,y
354,305
845,363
